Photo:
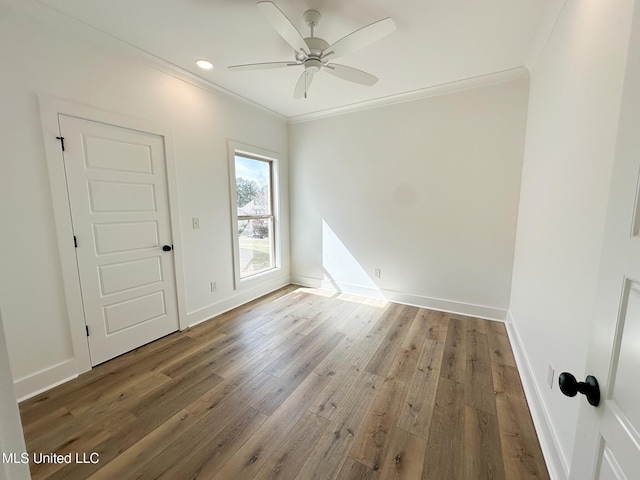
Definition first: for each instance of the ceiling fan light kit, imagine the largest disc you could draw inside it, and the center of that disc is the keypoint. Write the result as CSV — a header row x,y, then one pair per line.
x,y
313,53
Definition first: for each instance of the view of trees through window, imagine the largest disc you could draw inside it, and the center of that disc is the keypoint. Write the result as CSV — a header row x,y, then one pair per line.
x,y
254,181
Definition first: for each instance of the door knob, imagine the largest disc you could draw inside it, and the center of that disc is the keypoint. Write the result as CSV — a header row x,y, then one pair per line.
x,y
570,387
167,248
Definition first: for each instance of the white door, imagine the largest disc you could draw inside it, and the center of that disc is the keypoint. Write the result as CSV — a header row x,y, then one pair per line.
x,y
607,443
116,179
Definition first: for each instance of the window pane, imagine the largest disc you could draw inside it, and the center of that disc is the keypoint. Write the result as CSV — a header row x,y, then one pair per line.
x,y
255,239
253,186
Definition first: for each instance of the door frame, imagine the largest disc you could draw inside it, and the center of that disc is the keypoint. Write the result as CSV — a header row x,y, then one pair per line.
x,y
50,108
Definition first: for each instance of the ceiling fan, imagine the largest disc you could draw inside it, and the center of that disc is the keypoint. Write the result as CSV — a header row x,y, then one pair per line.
x,y
314,53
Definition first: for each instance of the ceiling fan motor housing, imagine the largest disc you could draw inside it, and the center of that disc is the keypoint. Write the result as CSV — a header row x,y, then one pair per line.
x,y
316,45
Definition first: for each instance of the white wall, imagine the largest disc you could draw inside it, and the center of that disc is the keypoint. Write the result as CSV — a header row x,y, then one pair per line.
x,y
11,436
575,94
40,58
426,191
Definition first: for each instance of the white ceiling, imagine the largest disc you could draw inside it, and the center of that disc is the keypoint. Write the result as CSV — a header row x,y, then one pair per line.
x,y
436,42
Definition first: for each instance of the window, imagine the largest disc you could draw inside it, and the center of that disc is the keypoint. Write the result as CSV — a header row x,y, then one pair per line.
x,y
254,214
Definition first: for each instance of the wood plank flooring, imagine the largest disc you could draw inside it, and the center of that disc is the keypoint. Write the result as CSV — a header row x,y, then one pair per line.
x,y
300,384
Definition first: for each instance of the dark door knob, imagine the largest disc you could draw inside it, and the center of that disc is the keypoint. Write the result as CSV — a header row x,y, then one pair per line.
x,y
571,387
167,248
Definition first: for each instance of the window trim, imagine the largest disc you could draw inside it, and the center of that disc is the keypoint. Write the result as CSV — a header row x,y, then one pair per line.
x,y
257,153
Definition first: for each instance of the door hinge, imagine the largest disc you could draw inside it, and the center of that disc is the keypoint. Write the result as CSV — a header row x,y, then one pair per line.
x,y
87,328
75,241
61,142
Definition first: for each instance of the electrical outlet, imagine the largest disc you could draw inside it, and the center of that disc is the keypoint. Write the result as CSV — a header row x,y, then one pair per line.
x,y
196,223
551,373
214,286
376,273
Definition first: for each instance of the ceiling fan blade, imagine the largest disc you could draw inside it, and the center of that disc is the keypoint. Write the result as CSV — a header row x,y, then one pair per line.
x,y
283,26
262,66
361,38
302,87
351,74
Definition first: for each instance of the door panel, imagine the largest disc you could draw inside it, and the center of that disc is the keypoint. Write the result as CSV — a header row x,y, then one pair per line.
x,y
119,277
114,155
116,197
607,442
610,469
619,451
627,355
125,237
134,311
117,187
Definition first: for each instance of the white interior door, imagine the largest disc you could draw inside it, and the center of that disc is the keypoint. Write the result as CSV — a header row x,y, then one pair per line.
x,y
116,179
607,443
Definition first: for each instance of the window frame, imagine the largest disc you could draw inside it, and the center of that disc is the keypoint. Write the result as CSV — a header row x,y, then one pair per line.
x,y
259,154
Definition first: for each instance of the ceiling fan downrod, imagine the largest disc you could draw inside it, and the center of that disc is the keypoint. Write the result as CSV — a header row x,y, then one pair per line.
x,y
312,18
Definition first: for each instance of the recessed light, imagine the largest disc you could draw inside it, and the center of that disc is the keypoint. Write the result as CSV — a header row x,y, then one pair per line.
x,y
204,64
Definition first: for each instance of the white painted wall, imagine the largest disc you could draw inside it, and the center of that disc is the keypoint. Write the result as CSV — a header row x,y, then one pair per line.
x,y
39,57
11,436
575,94
426,191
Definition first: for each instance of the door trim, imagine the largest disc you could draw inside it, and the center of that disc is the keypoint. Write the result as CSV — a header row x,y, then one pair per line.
x,y
50,108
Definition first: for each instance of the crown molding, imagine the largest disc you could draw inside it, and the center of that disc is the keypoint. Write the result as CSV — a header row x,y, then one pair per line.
x,y
432,91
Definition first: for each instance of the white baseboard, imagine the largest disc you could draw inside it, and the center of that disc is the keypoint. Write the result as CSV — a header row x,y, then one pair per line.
x,y
38,382
242,297
450,306
557,464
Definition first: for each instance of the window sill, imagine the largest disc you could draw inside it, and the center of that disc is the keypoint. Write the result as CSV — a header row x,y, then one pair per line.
x,y
258,278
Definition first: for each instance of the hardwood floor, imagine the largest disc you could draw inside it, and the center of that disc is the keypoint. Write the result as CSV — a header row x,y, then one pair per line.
x,y
301,384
